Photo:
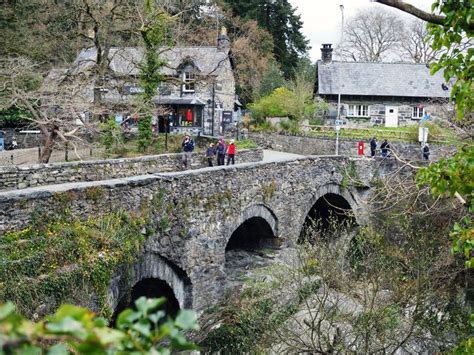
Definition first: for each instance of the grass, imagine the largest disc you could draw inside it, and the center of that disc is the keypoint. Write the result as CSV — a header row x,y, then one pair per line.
x,y
407,134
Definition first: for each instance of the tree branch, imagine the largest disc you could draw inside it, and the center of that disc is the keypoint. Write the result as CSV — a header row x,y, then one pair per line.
x,y
412,10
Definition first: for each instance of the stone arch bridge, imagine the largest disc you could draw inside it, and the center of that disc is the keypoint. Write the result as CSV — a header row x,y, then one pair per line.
x,y
197,215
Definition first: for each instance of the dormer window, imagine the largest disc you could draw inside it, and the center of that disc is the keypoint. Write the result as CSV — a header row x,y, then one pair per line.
x,y
189,80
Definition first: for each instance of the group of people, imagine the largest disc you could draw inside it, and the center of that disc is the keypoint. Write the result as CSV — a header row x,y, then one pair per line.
x,y
386,149
219,150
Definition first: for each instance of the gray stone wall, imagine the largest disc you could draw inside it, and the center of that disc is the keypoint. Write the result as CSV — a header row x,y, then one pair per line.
x,y
377,112
306,145
194,213
20,177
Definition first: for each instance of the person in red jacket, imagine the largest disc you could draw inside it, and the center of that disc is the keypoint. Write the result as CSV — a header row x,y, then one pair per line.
x,y
231,152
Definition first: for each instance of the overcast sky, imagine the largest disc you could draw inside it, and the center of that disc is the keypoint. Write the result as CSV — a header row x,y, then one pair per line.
x,y
322,18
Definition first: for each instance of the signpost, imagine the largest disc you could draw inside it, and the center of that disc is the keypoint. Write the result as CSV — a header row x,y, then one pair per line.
x,y
422,137
338,128
226,119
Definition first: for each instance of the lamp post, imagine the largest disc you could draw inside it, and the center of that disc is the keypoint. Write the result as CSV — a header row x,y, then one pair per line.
x,y
338,120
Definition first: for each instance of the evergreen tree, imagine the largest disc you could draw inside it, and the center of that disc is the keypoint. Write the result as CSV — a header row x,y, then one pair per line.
x,y
279,19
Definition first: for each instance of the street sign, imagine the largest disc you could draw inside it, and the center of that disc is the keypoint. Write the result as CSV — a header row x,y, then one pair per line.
x,y
423,134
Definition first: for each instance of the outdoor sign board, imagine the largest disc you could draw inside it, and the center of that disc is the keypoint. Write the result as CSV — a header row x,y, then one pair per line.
x,y
227,116
133,90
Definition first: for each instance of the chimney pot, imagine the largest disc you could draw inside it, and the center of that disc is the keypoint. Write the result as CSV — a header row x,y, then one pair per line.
x,y
326,53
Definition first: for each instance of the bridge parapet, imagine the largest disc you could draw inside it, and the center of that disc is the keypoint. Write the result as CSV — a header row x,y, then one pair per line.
x,y
21,177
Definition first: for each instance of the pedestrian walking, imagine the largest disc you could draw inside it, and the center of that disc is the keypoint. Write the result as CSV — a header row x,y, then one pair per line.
x,y
231,152
220,150
373,147
188,147
385,147
426,152
210,152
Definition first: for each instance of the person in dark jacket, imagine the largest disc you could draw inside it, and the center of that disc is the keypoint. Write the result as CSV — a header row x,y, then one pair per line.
x,y
210,152
220,150
373,147
231,152
188,147
385,147
426,152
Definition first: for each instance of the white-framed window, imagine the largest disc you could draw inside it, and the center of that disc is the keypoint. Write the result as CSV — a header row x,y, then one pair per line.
x,y
189,81
358,111
418,112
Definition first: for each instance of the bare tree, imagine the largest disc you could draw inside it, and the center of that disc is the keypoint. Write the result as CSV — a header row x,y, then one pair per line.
x,y
372,35
57,110
415,45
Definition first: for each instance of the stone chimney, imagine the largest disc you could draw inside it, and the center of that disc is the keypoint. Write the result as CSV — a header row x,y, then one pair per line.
x,y
326,53
223,41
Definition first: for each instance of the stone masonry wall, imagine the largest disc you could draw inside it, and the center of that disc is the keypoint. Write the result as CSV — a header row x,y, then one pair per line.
x,y
192,214
306,145
20,177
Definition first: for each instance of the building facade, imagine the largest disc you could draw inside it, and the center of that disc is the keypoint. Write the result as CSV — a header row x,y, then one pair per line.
x,y
388,94
197,92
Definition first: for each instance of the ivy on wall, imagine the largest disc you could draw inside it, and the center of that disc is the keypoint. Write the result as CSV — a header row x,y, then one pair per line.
x,y
58,259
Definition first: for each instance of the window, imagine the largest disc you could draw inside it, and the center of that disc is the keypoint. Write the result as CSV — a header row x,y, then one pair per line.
x,y
358,111
418,112
189,81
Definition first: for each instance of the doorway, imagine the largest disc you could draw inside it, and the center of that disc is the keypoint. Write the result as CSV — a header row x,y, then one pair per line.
x,y
391,116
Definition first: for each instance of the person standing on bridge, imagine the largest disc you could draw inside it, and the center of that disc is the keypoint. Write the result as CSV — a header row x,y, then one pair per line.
x,y
221,148
231,152
210,152
188,147
385,147
373,147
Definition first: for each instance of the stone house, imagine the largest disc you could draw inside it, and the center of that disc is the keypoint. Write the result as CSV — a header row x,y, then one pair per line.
x,y
198,85
389,94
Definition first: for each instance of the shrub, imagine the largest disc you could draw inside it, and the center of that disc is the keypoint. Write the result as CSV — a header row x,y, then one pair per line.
x,y
75,329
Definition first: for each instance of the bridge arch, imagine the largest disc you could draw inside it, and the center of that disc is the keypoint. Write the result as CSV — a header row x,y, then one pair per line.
x,y
254,220
329,201
152,276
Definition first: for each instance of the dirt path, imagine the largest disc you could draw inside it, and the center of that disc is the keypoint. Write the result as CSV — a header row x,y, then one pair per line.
x,y
30,156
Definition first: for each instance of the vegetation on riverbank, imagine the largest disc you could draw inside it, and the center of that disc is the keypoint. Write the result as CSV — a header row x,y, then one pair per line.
x,y
393,286
59,258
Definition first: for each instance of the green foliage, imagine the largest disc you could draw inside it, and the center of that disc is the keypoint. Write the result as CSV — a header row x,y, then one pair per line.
x,y
76,330
246,144
457,64
145,135
272,79
155,33
111,135
14,116
454,177
60,259
283,102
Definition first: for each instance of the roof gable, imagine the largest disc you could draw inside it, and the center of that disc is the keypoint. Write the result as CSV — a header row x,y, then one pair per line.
x,y
126,61
380,79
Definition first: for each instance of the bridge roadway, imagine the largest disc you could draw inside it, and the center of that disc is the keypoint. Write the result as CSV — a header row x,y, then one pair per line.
x,y
194,214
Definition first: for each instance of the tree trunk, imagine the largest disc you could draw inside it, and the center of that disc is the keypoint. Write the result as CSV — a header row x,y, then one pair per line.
x,y
48,147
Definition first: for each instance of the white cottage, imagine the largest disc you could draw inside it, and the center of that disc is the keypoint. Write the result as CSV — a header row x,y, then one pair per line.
x,y
389,94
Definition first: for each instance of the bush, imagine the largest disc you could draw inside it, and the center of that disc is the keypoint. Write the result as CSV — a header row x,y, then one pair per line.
x,y
77,330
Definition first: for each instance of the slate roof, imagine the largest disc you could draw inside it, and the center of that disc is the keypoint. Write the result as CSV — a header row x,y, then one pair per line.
x,y
379,79
124,61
